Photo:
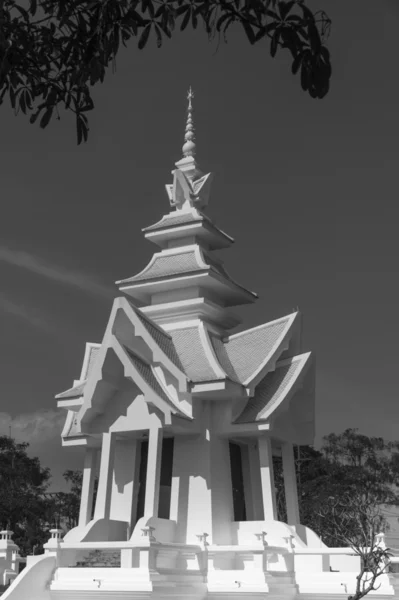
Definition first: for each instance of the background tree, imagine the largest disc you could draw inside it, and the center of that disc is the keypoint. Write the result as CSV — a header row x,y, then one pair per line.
x,y
23,482
64,506
53,51
347,465
357,521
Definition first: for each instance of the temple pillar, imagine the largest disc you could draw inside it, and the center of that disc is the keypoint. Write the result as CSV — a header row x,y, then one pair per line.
x,y
123,480
151,502
290,484
248,489
221,490
89,475
103,501
196,469
252,482
267,478
195,473
180,487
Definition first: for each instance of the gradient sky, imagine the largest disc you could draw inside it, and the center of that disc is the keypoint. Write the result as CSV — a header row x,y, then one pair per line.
x,y
307,188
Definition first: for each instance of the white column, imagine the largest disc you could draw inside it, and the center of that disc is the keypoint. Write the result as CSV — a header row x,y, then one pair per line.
x,y
136,484
153,472
123,480
103,501
255,480
267,478
179,491
248,488
221,490
290,486
89,474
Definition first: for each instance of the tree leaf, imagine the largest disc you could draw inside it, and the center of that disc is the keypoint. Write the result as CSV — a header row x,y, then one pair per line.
x,y
194,20
33,7
144,37
159,36
186,19
314,37
34,116
260,34
285,7
44,121
274,43
22,102
296,63
249,31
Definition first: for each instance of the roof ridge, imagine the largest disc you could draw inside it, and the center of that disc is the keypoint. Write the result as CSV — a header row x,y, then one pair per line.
x,y
164,342
251,329
149,320
159,258
273,389
210,352
224,359
291,359
134,355
173,214
79,386
153,380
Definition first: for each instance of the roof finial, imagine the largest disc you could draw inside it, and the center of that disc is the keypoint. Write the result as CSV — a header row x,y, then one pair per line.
x,y
189,147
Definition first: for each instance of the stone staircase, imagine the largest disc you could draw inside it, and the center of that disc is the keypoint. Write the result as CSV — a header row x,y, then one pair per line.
x,y
101,559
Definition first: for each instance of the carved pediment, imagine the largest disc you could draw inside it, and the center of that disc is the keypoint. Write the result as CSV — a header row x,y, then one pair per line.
x,y
185,192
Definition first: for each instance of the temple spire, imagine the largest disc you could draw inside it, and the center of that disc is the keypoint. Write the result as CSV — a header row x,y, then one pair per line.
x,y
189,147
190,187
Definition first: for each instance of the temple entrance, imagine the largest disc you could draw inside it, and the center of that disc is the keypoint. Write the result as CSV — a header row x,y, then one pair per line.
x,y
165,487
237,480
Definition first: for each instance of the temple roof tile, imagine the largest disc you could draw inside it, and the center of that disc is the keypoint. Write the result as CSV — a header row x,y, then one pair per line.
x,y
74,392
273,389
249,351
168,265
194,355
176,218
161,338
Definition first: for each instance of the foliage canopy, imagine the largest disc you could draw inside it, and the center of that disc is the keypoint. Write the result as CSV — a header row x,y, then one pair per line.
x,y
23,483
53,51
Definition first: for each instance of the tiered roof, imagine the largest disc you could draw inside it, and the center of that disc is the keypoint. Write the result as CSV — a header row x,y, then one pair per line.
x,y
182,325
185,266
274,388
203,356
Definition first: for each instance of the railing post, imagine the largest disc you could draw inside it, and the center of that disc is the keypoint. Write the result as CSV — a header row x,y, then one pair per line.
x,y
53,546
147,555
203,556
380,543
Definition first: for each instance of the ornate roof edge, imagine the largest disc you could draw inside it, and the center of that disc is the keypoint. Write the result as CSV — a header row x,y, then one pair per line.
x,y
75,391
179,219
304,361
206,359
277,349
88,359
138,278
200,266
234,336
147,376
190,217
143,323
136,369
210,353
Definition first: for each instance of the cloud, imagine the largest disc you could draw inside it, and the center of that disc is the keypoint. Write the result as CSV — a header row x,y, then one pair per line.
x,y
77,279
26,314
36,427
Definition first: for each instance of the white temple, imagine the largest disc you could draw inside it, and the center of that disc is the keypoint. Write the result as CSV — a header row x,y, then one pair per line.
x,y
179,419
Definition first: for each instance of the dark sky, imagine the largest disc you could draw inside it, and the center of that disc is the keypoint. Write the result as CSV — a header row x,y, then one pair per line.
x,y
307,188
